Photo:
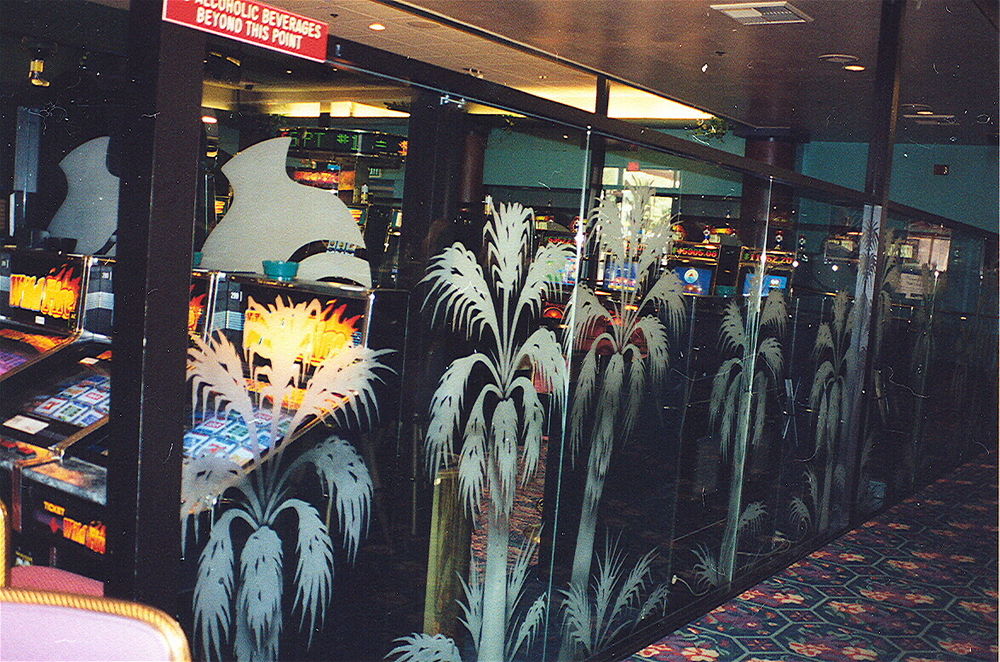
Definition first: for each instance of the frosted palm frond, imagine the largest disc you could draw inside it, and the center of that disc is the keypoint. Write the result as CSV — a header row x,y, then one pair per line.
x,y
824,339
505,237
607,220
517,575
203,480
822,437
343,387
724,376
628,594
346,478
775,312
586,389
577,618
752,518
531,625
534,417
213,588
472,461
421,647
706,571
732,335
503,429
586,310
840,476
636,389
812,482
544,353
657,600
834,411
770,353
314,569
258,599
657,344
606,577
840,303
472,606
215,370
800,515
758,402
821,381
446,410
543,276
461,295
668,294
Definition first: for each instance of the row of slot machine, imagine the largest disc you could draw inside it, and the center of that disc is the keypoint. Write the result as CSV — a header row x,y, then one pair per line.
x,y
56,348
717,266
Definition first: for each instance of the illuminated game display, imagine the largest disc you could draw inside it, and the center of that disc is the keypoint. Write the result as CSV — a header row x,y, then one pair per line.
x,y
695,280
40,309
696,265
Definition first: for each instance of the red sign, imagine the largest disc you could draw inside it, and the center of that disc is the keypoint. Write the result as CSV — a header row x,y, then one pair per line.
x,y
252,23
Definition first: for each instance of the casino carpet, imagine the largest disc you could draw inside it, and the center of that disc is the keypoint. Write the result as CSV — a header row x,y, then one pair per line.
x,y
916,584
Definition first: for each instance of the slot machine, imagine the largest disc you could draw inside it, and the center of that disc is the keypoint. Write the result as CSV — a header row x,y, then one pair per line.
x,y
779,267
56,428
41,295
696,265
59,497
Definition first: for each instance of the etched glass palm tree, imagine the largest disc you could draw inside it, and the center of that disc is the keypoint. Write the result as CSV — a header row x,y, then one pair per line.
x,y
828,398
621,362
239,591
737,408
499,425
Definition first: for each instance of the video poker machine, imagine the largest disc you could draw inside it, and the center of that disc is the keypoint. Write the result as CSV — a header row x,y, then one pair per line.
x,y
60,495
779,266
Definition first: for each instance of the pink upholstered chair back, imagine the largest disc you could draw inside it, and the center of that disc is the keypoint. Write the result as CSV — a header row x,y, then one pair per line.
x,y
39,626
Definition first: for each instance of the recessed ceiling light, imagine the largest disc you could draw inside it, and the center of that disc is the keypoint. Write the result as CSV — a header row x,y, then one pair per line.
x,y
763,12
839,58
925,112
209,119
377,27
854,67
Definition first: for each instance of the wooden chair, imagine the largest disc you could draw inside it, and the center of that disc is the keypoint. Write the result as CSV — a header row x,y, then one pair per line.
x,y
38,577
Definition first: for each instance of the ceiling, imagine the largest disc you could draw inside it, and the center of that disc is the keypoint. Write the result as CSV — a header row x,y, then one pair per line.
x,y
756,75
768,75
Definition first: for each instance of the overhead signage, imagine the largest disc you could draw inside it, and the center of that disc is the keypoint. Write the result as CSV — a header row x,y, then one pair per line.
x,y
252,23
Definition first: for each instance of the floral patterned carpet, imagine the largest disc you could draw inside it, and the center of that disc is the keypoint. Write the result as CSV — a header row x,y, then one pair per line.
x,y
916,584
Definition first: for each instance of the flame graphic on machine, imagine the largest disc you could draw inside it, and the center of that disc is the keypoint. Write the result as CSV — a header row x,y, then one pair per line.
x,y
55,294
324,329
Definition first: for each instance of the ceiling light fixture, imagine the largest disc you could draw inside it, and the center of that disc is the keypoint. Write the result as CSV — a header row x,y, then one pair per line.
x,y
377,27
209,119
839,58
854,67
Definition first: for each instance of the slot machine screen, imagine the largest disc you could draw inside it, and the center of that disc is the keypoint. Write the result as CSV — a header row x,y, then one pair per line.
x,y
695,280
45,291
618,276
771,282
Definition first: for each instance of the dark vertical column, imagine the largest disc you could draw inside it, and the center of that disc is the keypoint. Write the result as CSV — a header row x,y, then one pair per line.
x,y
861,362
761,200
158,147
595,178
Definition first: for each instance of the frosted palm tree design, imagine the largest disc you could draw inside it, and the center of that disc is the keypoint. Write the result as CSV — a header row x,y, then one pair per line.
x,y
239,592
738,403
828,398
619,366
500,424
598,613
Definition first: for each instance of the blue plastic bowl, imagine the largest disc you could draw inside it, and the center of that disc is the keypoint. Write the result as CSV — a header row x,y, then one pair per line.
x,y
280,269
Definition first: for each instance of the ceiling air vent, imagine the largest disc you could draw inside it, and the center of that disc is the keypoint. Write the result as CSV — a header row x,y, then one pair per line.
x,y
763,13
